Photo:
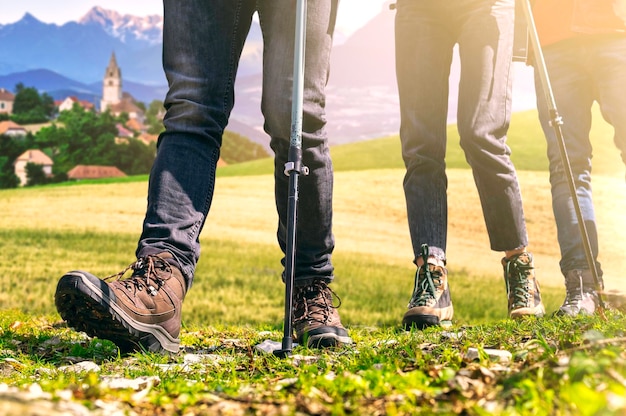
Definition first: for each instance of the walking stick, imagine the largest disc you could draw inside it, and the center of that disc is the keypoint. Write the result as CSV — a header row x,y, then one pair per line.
x,y
556,122
294,168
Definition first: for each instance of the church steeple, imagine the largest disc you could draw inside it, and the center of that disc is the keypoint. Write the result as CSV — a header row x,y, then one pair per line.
x,y
112,84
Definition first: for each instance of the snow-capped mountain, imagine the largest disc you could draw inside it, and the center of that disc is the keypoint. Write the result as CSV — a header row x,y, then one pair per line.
x,y
126,28
81,50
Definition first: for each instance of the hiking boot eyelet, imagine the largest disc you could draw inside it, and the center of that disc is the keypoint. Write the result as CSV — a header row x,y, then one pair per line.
x,y
316,320
121,308
430,302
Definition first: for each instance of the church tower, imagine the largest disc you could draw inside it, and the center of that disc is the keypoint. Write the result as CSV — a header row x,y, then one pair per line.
x,y
112,85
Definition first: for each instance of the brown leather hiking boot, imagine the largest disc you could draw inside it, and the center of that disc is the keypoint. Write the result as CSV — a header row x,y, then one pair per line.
x,y
522,288
316,320
139,311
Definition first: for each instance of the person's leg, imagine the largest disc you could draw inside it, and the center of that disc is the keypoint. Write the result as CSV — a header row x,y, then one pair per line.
x,y
485,48
581,71
424,38
202,43
201,47
573,96
316,319
609,72
424,47
573,92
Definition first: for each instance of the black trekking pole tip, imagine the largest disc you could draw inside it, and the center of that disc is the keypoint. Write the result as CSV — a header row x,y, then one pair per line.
x,y
282,353
286,350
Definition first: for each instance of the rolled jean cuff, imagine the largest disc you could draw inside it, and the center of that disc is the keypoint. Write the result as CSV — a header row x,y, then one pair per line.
x,y
308,280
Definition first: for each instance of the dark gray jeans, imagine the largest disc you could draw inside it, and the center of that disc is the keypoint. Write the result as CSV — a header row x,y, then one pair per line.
x,y
202,44
426,33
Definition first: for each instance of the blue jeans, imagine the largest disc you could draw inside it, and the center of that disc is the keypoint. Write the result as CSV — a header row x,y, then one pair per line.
x,y
581,70
202,44
426,33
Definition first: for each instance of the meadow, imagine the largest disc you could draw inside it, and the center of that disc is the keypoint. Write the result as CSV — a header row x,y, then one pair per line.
x,y
237,294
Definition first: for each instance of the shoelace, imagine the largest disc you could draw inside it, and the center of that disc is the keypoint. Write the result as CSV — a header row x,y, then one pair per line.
x,y
320,304
517,282
573,291
425,289
425,286
144,274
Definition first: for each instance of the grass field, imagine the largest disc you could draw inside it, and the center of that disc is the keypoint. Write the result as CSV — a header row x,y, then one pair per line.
x,y
559,366
50,230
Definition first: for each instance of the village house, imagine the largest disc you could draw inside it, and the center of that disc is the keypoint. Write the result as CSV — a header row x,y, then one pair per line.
x,y
135,125
6,101
123,134
11,128
34,156
148,138
69,102
94,172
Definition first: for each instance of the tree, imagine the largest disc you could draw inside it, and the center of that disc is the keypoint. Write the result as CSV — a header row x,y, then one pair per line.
x,y
8,179
154,117
88,138
237,148
35,175
10,149
135,157
29,107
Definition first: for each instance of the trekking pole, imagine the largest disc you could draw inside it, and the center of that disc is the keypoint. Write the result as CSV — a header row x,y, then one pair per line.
x,y
293,169
556,122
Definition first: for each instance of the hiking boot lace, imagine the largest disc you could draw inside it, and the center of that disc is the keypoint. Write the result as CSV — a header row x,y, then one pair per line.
x,y
425,288
145,274
317,307
517,283
573,291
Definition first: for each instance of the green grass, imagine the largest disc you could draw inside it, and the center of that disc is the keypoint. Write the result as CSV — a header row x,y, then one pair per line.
x,y
238,284
559,366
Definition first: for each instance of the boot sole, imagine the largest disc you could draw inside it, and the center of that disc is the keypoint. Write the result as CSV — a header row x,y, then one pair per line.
x,y
327,341
84,306
420,321
325,337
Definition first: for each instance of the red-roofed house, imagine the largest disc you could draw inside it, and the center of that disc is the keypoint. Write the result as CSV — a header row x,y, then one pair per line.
x,y
69,102
6,101
123,134
36,157
129,107
94,172
11,128
135,125
147,138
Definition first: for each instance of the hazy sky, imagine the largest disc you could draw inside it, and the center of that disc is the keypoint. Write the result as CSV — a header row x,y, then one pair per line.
x,y
352,13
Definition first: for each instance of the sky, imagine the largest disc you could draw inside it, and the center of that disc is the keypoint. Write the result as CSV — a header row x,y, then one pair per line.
x,y
352,14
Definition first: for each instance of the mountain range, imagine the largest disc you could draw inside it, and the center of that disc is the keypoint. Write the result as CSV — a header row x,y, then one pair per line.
x,y
71,59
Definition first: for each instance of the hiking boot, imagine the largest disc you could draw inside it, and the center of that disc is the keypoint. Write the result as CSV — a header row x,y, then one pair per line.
x,y
430,304
142,311
315,318
581,297
522,287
